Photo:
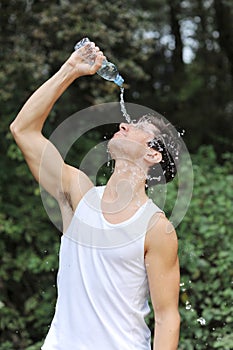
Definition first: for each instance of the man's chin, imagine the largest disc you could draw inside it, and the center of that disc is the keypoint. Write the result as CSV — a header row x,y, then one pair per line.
x,y
116,146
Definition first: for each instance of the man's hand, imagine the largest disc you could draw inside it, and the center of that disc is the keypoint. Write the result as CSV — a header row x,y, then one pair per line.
x,y
86,60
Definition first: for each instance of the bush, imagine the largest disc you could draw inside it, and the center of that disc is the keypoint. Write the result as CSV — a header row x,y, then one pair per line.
x,y
206,256
29,248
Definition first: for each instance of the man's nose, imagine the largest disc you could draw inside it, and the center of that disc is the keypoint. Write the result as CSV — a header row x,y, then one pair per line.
x,y
124,126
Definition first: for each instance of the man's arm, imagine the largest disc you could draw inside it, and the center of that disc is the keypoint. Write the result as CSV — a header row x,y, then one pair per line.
x,y
162,266
44,160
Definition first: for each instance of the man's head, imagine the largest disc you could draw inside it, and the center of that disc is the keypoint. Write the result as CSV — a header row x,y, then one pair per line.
x,y
150,141
167,141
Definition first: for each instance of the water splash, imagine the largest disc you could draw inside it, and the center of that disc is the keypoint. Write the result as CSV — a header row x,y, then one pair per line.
x,y
188,306
123,108
202,321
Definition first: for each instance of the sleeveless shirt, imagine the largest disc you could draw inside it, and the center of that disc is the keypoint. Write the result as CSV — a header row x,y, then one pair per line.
x,y
102,282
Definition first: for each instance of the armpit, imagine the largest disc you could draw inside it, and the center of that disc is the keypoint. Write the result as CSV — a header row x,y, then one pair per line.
x,y
65,199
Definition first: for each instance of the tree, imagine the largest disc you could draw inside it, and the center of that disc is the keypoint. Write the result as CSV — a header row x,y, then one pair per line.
x,y
147,40
224,15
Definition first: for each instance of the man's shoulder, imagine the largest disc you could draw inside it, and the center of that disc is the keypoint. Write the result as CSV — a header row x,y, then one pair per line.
x,y
161,233
160,223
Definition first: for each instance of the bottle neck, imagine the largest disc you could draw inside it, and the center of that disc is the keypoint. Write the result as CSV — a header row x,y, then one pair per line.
x,y
119,80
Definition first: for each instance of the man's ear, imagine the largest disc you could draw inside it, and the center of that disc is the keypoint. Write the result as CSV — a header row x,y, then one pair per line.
x,y
152,156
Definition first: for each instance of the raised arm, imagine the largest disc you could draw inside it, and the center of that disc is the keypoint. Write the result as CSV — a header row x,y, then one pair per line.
x,y
162,265
44,160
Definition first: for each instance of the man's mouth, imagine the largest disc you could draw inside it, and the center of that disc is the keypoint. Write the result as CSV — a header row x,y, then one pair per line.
x,y
119,133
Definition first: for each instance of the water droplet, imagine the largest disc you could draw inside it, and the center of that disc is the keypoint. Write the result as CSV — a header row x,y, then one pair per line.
x,y
202,321
188,306
181,133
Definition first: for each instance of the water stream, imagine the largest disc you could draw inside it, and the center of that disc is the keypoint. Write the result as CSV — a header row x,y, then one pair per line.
x,y
123,108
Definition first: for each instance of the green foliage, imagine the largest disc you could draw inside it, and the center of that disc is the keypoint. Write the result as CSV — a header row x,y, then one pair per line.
x,y
29,248
206,256
36,37
141,40
28,251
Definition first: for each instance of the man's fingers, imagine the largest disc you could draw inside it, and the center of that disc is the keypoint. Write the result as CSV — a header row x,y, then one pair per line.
x,y
87,59
99,60
100,56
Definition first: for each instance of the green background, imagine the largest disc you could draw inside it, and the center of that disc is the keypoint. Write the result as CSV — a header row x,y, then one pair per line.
x,y
176,58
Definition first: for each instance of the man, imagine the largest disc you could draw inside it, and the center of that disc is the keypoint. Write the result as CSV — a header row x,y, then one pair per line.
x,y
117,245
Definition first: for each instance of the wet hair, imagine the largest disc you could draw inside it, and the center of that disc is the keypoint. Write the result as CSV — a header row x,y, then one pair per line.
x,y
167,142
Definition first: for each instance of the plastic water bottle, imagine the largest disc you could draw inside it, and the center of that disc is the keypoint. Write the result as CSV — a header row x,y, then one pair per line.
x,y
108,70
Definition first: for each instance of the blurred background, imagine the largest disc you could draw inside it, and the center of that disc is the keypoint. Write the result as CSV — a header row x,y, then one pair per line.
x,y
176,58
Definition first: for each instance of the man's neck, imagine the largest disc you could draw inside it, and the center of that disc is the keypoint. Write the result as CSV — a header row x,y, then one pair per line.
x,y
126,185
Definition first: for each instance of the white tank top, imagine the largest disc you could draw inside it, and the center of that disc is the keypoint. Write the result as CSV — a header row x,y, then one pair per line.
x,y
102,281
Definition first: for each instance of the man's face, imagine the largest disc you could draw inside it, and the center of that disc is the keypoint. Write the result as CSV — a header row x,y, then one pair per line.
x,y
131,141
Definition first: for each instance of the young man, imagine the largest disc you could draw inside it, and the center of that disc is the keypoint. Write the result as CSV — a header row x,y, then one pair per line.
x,y
117,245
